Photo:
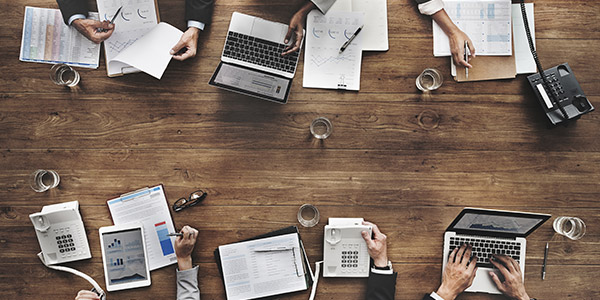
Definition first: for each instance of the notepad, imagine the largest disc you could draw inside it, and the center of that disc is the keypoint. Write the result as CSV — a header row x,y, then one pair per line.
x,y
263,267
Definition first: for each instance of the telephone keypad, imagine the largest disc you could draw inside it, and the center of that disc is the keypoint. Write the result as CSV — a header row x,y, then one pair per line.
x,y
66,245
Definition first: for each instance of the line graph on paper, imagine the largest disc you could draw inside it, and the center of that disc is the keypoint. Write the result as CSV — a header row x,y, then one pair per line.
x,y
118,46
320,61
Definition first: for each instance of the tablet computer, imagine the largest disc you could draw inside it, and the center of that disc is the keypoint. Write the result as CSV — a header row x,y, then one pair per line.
x,y
124,257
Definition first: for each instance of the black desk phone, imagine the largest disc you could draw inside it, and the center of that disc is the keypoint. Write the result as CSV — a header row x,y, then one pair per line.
x,y
556,89
561,87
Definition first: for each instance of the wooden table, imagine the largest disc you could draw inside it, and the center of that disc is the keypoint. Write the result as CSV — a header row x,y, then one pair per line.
x,y
404,160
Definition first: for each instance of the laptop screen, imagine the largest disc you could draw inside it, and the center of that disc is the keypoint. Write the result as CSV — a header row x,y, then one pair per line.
x,y
499,222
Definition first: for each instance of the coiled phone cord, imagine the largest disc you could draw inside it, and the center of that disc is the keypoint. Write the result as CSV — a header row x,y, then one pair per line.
x,y
537,62
97,289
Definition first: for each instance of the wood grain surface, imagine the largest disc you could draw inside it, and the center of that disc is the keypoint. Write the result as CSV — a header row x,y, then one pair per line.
x,y
404,160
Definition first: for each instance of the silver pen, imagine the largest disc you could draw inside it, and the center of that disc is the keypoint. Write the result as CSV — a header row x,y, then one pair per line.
x,y
347,43
545,260
467,53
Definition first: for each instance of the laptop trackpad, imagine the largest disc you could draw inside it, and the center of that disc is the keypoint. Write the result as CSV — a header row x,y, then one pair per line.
x,y
268,30
483,282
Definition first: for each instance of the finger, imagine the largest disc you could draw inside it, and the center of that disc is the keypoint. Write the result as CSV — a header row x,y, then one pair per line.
x,y
471,48
515,264
86,293
467,255
177,47
452,255
496,280
461,251
185,55
472,264
506,262
367,238
500,268
288,35
103,35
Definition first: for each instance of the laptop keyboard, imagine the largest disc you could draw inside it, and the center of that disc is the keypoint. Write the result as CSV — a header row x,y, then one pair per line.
x,y
260,52
484,248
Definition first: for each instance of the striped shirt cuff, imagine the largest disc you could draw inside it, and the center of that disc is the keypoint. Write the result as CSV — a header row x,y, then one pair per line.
x,y
431,7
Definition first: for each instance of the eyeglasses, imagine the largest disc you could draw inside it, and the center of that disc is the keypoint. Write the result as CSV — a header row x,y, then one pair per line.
x,y
194,198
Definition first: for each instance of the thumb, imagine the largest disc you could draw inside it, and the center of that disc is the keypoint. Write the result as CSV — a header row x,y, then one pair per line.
x,y
496,280
288,35
367,238
177,47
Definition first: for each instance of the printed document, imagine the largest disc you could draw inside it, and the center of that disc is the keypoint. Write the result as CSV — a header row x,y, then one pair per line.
x,y
324,65
486,22
376,21
46,39
263,267
149,207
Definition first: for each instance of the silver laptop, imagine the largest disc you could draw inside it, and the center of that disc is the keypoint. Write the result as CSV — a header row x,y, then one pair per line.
x,y
251,62
491,232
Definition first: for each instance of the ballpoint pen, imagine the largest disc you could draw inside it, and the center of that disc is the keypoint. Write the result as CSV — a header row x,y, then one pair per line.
x,y
467,53
275,249
347,43
175,234
112,21
545,260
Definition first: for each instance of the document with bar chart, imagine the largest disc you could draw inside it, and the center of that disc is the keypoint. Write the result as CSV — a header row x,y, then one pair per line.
x,y
149,207
46,39
486,22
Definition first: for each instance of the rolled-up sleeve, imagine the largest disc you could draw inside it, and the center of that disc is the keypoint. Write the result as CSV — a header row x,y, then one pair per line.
x,y
430,7
187,284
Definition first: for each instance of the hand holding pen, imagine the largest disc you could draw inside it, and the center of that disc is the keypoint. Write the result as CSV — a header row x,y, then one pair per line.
x,y
111,23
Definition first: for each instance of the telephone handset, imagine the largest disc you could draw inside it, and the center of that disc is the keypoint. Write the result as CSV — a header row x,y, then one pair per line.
x,y
344,250
59,229
60,232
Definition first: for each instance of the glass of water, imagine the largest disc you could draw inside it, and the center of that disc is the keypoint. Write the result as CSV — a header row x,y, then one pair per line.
x,y
429,80
321,128
43,180
308,215
571,227
64,75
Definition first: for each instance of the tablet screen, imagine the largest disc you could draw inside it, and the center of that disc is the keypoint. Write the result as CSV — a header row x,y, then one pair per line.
x,y
125,261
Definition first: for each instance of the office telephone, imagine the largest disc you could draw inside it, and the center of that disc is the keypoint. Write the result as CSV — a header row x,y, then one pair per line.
x,y
344,250
59,229
556,88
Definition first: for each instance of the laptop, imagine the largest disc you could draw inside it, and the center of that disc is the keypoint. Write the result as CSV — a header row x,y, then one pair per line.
x,y
251,61
491,232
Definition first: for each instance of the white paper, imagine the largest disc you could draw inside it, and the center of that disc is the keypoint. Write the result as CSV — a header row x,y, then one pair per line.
x,y
376,21
135,20
523,57
249,274
150,208
324,66
46,39
486,22
150,53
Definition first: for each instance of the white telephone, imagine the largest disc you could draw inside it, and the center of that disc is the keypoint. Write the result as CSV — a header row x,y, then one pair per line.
x,y
59,229
344,250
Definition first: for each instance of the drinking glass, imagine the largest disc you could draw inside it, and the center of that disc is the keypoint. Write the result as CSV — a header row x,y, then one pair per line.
x,y
429,80
64,75
43,180
321,128
308,215
571,227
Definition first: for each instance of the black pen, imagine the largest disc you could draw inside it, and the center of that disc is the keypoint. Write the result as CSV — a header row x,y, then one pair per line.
x,y
112,21
545,260
347,43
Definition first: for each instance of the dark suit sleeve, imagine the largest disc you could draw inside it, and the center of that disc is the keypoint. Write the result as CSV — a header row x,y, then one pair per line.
x,y
199,10
381,287
72,7
427,297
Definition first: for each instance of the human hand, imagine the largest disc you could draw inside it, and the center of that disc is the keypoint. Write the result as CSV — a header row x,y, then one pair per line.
x,y
296,28
187,45
184,245
513,285
88,28
377,246
458,274
457,47
87,295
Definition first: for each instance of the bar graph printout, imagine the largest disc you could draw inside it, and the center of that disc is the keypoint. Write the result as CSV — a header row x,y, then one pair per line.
x,y
47,39
486,22
149,207
324,66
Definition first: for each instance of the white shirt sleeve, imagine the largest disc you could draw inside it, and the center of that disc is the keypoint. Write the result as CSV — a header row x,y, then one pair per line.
x,y
382,272
196,24
431,7
435,296
75,17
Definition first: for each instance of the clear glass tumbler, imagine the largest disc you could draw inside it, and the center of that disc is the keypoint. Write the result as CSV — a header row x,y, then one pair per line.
x,y
43,180
429,80
64,75
571,227
321,128
308,215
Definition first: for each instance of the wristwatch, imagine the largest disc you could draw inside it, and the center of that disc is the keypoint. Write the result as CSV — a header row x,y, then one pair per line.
x,y
386,268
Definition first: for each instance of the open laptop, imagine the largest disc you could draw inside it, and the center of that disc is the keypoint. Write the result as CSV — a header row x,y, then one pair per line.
x,y
251,62
491,232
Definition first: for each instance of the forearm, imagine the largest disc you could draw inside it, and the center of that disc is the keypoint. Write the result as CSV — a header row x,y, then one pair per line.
x,y
444,21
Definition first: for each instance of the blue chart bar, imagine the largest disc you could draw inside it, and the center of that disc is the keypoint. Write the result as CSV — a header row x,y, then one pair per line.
x,y
165,240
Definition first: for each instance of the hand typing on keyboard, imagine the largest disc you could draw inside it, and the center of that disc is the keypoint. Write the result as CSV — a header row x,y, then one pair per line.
x,y
459,273
296,28
512,286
